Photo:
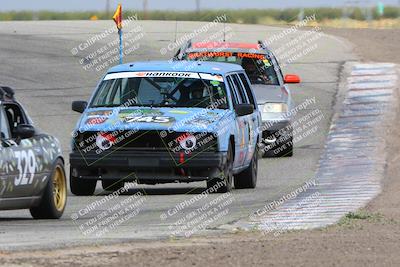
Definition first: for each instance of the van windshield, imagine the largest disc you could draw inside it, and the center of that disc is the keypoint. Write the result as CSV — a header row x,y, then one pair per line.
x,y
161,89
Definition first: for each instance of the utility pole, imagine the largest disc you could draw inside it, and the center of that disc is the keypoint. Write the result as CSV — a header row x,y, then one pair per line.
x,y
145,7
198,6
107,8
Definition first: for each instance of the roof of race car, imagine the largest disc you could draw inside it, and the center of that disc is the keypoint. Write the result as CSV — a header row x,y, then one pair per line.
x,y
177,66
225,45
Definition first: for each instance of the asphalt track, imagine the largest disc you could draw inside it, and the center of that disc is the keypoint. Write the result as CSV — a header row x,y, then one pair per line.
x,y
37,61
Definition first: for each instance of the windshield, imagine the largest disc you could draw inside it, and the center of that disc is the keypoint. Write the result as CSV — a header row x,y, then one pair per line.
x,y
170,90
258,67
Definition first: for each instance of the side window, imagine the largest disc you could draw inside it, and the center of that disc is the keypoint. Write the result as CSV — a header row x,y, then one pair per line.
x,y
233,90
240,89
4,125
14,117
248,89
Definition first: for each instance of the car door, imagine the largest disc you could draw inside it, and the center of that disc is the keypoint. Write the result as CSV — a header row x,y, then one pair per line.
x,y
250,120
7,167
241,127
255,118
23,156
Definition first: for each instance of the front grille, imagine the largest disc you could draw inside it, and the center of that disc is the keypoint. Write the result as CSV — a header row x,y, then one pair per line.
x,y
98,142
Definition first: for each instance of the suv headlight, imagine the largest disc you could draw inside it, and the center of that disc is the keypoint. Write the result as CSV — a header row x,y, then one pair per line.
x,y
275,107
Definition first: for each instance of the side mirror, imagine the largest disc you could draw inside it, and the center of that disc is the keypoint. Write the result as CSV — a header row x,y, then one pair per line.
x,y
291,78
79,106
24,131
244,109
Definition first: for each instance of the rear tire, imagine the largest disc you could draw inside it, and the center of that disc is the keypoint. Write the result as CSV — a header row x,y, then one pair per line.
x,y
224,184
248,177
54,197
81,187
112,185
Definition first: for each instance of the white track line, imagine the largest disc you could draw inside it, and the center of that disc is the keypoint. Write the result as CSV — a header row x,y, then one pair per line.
x,y
353,163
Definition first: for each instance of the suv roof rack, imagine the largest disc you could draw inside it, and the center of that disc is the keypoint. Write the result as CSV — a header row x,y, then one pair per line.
x,y
6,93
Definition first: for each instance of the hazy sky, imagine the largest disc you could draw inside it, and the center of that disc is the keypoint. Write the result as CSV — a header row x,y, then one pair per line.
x,y
67,5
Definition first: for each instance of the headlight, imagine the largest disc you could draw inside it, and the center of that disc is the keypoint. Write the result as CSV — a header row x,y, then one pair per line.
x,y
275,107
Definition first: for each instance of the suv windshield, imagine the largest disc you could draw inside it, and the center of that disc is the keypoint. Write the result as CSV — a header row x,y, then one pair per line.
x,y
170,90
258,67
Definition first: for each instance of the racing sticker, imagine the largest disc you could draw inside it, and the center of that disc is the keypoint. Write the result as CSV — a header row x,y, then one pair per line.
x,y
148,119
151,74
105,141
251,55
209,54
99,113
26,166
95,121
267,63
166,74
187,141
177,111
124,114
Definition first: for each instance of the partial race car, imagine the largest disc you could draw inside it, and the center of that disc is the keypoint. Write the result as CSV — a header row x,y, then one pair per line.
x,y
32,172
156,122
270,87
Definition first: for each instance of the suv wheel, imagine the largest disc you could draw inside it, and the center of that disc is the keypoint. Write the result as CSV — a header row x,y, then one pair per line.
x,y
224,184
248,177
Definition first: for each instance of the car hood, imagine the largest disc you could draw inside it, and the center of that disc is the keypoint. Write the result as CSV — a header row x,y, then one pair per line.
x,y
146,118
269,93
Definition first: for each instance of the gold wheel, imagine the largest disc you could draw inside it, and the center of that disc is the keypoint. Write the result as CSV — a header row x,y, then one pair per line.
x,y
59,189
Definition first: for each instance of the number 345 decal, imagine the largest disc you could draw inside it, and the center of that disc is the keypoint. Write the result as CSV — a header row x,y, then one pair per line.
x,y
26,165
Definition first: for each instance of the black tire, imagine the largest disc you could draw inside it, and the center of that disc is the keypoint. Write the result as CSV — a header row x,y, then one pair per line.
x,y
54,198
81,187
224,184
112,185
248,177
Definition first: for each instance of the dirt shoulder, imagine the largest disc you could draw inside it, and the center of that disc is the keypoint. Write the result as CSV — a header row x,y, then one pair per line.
x,y
371,237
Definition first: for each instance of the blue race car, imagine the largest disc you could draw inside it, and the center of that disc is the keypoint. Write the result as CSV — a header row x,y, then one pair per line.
x,y
163,122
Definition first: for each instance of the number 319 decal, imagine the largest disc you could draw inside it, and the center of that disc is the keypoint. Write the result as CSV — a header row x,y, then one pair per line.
x,y
26,165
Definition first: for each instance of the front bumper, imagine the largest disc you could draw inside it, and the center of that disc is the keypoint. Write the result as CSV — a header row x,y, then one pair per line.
x,y
160,166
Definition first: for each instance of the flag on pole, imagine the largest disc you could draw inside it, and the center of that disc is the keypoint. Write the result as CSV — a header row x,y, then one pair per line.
x,y
118,17
118,21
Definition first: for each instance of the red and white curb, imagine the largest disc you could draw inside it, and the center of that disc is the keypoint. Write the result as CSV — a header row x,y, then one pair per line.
x,y
353,163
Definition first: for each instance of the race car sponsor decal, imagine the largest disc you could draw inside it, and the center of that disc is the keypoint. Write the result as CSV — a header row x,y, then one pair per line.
x,y
251,55
177,111
192,75
148,119
99,113
151,74
95,121
26,166
211,77
187,141
209,54
105,141
267,63
139,112
196,55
